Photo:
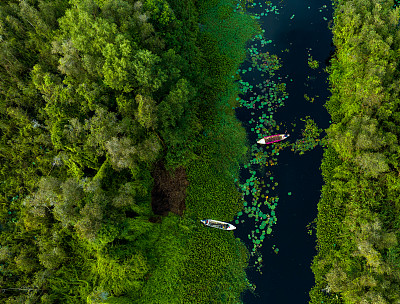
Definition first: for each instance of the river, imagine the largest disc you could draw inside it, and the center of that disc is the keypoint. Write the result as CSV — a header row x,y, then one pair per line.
x,y
301,27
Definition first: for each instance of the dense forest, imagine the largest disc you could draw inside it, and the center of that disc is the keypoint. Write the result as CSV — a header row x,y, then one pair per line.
x,y
118,135
358,225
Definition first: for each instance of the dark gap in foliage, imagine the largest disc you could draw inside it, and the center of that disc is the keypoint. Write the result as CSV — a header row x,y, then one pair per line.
x,y
130,214
119,242
114,179
169,190
89,172
155,219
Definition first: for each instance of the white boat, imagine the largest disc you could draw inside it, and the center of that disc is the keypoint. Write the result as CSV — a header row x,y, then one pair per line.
x,y
272,139
218,224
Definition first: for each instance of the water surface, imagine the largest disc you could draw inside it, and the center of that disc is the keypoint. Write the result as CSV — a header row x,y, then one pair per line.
x,y
286,276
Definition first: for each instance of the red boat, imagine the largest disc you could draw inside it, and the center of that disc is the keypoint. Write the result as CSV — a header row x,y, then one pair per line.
x,y
272,139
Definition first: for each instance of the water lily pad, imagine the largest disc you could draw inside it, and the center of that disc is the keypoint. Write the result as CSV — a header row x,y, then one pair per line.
x,y
269,230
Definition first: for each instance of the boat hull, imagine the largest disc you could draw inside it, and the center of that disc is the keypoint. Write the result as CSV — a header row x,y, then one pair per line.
x,y
218,224
267,139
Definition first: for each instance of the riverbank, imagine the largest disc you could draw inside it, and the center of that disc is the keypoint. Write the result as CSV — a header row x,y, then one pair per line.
x,y
358,226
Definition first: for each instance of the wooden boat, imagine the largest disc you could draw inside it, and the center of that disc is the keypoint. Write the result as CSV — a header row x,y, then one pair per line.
x,y
272,139
218,224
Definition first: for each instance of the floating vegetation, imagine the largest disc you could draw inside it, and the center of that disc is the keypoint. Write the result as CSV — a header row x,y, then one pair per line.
x,y
314,64
323,8
248,4
308,98
275,249
312,227
311,137
261,101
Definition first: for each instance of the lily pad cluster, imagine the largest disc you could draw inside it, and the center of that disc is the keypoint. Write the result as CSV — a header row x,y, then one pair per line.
x,y
261,101
260,206
248,4
268,94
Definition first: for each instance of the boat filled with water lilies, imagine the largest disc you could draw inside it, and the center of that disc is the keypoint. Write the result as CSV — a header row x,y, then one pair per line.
x,y
272,139
218,224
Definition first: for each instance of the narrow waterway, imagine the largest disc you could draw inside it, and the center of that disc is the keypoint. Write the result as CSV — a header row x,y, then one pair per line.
x,y
298,31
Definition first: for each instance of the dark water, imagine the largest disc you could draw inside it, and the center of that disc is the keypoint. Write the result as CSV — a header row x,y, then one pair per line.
x,y
287,277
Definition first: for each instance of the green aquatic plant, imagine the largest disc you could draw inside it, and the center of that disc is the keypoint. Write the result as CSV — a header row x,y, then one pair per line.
x,y
271,94
308,98
311,137
314,64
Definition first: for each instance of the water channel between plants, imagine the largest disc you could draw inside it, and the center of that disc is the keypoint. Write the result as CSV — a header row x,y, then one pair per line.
x,y
281,198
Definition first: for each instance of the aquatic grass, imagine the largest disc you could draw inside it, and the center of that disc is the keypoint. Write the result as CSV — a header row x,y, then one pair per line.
x,y
223,261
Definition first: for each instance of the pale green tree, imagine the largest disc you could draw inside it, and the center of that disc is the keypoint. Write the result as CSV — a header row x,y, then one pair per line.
x,y
373,164
147,111
121,152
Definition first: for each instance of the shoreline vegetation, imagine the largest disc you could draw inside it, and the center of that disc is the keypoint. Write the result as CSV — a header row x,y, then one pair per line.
x,y
118,134
358,223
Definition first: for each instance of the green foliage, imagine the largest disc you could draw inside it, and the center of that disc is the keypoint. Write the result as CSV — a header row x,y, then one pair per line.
x,y
92,96
314,64
121,277
221,261
52,255
373,163
165,282
148,77
147,115
25,261
311,137
160,11
230,29
172,108
134,228
213,194
359,209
